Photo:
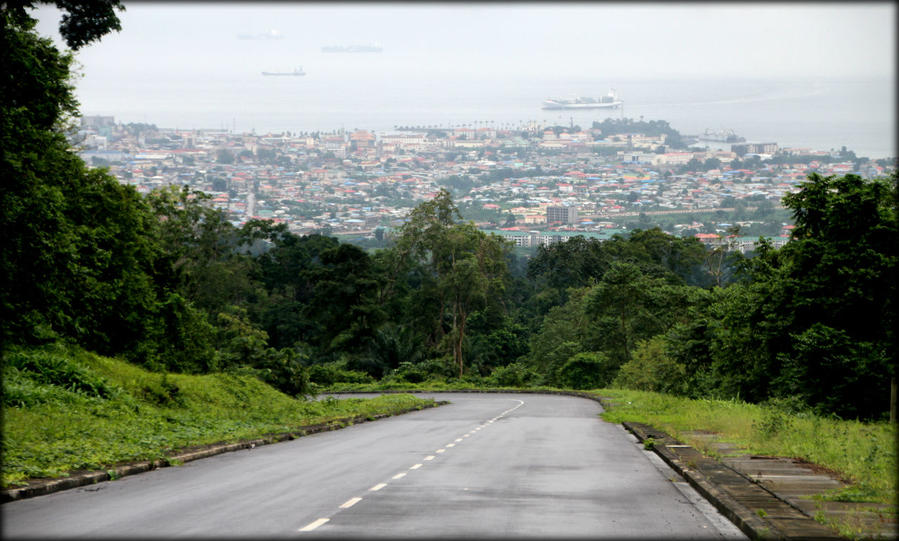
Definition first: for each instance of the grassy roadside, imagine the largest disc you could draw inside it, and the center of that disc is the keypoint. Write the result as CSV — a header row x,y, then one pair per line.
x,y
862,453
65,410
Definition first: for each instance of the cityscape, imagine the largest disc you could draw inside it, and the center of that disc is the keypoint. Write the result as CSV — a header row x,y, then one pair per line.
x,y
532,184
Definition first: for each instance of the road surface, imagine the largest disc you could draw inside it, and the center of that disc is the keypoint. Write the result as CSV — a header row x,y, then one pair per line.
x,y
487,465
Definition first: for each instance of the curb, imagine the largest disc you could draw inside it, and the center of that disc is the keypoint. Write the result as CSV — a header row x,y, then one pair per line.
x,y
699,471
43,487
743,518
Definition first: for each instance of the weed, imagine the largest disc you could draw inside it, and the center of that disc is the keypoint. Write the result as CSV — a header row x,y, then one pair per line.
x,y
849,526
774,421
850,494
761,512
649,444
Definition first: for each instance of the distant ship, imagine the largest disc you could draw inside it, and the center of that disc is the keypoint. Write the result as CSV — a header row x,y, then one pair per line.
x,y
724,136
296,72
609,101
370,48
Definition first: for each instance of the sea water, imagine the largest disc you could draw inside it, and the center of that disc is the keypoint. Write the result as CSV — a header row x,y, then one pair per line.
x,y
816,113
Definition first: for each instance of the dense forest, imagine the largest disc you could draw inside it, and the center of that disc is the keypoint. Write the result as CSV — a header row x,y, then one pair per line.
x,y
166,282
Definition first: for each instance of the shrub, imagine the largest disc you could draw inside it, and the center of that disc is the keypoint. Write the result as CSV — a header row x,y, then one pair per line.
x,y
331,373
432,369
283,369
587,371
512,375
652,369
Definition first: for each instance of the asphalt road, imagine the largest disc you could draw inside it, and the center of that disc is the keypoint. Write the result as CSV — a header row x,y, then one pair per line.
x,y
487,465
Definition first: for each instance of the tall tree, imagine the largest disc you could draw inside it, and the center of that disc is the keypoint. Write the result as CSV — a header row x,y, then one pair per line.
x,y
462,268
78,245
841,284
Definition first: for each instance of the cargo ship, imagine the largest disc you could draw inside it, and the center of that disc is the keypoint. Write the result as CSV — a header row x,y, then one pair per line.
x,y
370,48
296,72
609,101
723,136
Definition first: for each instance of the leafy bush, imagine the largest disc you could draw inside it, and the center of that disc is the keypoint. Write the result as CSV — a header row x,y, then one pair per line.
x,y
587,371
284,370
512,375
331,373
651,369
430,370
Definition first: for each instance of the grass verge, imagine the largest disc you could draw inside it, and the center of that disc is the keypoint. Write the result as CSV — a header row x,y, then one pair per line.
x,y
66,410
864,454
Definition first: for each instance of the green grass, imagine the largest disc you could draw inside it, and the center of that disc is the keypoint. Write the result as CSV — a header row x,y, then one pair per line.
x,y
65,410
862,453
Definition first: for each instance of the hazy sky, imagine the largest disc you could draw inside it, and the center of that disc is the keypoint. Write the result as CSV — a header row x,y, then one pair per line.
x,y
637,40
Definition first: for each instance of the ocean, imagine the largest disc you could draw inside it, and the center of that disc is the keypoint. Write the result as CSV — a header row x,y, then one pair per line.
x,y
819,114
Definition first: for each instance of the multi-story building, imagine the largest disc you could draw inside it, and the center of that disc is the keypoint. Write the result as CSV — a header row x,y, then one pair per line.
x,y
565,215
741,149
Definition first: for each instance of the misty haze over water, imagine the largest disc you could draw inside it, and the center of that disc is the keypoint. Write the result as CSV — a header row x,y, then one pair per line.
x,y
816,114
803,75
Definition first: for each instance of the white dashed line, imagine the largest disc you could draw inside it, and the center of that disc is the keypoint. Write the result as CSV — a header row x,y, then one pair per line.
x,y
353,501
313,525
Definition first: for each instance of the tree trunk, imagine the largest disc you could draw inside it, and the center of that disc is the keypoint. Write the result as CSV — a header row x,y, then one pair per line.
x,y
893,400
458,345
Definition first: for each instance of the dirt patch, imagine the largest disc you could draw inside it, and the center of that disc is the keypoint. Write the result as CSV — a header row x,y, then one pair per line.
x,y
817,468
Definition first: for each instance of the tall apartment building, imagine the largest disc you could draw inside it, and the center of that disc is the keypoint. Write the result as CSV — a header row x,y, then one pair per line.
x,y
565,215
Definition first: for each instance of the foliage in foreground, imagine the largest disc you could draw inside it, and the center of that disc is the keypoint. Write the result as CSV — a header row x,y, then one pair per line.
x,y
864,453
67,410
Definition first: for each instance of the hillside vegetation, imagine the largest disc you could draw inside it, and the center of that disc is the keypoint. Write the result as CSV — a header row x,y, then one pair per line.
x,y
66,409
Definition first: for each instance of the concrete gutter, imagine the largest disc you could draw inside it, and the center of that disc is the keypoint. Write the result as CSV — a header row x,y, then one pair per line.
x,y
759,513
40,487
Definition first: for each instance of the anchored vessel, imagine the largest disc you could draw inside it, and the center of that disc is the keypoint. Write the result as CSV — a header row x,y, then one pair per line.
x,y
724,136
609,101
296,72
